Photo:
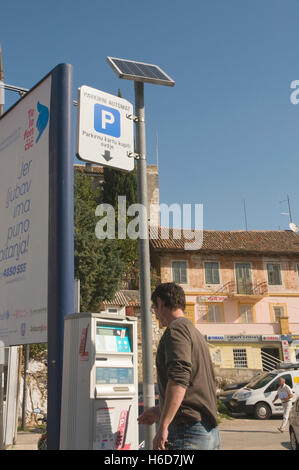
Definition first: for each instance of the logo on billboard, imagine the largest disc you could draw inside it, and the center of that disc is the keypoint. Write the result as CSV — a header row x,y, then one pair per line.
x,y
41,124
107,120
42,120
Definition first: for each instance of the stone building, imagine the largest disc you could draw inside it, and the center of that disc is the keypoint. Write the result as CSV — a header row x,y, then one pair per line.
x,y
242,292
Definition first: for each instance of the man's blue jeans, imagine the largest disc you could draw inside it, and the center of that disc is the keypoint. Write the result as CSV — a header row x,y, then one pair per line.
x,y
198,436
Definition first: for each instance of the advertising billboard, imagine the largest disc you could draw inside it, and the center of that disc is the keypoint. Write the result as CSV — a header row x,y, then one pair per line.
x,y
24,213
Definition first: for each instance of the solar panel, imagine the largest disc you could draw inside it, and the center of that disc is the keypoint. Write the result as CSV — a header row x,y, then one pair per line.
x,y
139,71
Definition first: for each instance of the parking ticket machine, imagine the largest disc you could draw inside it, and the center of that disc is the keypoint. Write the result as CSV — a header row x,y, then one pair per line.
x,y
100,383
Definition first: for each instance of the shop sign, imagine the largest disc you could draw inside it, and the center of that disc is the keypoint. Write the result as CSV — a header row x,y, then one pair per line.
x,y
215,338
286,351
243,338
212,298
270,338
286,338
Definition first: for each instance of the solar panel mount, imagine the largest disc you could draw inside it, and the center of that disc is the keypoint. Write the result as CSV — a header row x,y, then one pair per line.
x,y
140,71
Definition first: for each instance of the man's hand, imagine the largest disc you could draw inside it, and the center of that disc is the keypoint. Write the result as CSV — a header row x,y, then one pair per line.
x,y
150,416
160,439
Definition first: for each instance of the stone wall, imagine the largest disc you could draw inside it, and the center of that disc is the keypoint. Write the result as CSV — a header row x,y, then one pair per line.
x,y
235,375
36,392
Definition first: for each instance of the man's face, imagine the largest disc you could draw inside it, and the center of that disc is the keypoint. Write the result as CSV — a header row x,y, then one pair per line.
x,y
281,382
158,310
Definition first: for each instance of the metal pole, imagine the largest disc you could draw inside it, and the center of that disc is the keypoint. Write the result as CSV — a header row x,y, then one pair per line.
x,y
61,241
1,80
26,361
1,408
1,365
145,280
20,353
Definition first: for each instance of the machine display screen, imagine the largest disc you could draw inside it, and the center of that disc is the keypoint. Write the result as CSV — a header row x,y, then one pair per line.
x,y
114,375
112,339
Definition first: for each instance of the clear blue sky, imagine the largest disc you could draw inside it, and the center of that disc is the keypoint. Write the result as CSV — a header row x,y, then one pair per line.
x,y
227,130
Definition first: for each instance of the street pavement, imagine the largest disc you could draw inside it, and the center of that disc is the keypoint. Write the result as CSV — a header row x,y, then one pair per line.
x,y
239,433
252,434
26,441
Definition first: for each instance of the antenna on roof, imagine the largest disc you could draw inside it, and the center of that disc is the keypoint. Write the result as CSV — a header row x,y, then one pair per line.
x,y
289,206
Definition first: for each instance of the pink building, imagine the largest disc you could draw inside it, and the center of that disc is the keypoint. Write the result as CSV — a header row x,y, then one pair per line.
x,y
242,291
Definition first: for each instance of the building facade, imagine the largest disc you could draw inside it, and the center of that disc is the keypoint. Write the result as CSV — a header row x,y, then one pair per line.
x,y
242,292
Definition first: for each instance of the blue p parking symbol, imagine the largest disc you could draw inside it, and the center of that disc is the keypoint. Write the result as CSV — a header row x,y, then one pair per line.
x,y
106,120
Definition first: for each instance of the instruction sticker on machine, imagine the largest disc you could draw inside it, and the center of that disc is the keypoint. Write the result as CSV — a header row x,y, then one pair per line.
x,y
111,428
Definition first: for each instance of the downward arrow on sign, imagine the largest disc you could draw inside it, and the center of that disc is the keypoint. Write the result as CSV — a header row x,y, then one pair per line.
x,y
107,156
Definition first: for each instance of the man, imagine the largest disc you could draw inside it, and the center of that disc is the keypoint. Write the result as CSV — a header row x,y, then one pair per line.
x,y
187,411
285,394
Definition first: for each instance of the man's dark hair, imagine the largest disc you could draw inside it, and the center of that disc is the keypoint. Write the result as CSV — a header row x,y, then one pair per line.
x,y
172,295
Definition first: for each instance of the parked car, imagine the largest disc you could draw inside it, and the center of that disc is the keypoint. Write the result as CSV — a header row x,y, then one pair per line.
x,y
294,425
257,396
227,392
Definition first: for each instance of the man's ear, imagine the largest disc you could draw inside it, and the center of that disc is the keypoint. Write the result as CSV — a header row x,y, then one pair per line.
x,y
159,302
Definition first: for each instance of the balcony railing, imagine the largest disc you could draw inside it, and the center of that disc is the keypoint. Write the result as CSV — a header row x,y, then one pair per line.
x,y
244,288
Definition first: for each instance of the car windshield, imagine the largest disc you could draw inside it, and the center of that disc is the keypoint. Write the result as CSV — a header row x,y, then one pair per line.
x,y
261,380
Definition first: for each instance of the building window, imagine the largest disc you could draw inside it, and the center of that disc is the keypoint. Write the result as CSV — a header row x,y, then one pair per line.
x,y
213,314
179,272
274,275
212,273
246,313
240,358
244,278
278,311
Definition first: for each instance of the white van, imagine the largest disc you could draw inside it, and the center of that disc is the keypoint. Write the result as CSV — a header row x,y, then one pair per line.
x,y
257,396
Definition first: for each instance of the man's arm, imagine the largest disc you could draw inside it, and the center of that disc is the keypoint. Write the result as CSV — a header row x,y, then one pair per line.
x,y
149,416
275,398
174,396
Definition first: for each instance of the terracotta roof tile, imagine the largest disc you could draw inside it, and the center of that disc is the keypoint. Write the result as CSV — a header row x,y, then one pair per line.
x,y
254,241
125,298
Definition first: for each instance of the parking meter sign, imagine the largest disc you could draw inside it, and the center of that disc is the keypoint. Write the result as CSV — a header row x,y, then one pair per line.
x,y
106,120
105,132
